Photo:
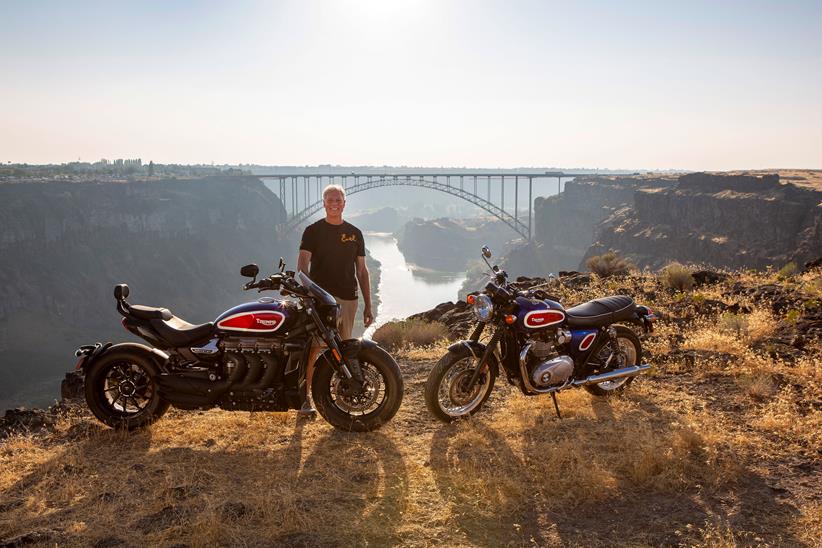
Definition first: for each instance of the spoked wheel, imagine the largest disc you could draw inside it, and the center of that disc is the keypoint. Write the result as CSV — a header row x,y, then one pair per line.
x,y
122,391
362,410
626,352
447,392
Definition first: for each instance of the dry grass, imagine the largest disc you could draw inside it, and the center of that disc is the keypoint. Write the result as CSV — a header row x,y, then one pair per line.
x,y
722,451
409,333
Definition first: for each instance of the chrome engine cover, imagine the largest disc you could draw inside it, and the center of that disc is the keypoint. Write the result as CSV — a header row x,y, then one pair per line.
x,y
552,372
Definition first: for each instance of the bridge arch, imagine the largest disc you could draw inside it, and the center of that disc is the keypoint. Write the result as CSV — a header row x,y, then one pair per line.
x,y
512,221
301,192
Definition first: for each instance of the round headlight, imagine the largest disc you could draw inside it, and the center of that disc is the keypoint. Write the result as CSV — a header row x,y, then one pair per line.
x,y
483,308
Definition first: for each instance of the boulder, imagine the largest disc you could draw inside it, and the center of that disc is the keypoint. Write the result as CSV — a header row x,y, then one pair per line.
x,y
707,277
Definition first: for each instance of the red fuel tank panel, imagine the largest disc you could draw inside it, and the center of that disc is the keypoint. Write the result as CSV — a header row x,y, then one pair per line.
x,y
258,321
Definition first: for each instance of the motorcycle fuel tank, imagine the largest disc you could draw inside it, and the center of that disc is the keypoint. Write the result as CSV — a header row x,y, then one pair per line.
x,y
534,314
263,317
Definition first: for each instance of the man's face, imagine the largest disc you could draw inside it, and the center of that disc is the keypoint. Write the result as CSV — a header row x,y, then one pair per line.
x,y
333,203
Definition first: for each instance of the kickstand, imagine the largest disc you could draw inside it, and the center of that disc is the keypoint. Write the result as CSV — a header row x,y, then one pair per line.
x,y
556,405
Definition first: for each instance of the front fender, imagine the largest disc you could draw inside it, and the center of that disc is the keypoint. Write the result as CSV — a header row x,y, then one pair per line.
x,y
350,349
477,350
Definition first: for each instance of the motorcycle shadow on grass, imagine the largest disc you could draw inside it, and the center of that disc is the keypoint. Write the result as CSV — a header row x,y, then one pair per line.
x,y
304,488
603,475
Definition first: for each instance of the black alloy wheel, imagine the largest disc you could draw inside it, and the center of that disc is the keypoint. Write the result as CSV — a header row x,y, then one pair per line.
x,y
122,391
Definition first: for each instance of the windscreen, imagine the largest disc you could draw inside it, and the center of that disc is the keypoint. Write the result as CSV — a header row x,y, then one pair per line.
x,y
321,294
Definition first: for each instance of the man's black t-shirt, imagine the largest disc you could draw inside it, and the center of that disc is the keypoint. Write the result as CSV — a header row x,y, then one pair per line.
x,y
334,251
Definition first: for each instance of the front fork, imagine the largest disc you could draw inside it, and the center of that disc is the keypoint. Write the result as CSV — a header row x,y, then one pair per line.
x,y
350,368
489,349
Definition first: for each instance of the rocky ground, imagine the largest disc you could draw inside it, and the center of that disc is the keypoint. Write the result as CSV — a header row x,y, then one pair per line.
x,y
718,446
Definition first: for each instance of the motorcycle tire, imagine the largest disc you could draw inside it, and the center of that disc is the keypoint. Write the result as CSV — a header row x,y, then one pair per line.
x,y
629,343
364,412
447,402
122,392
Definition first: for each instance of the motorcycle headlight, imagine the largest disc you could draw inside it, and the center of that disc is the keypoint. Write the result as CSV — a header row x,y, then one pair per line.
x,y
483,308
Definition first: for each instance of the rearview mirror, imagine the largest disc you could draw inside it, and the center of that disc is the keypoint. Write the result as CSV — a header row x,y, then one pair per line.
x,y
250,271
486,252
120,292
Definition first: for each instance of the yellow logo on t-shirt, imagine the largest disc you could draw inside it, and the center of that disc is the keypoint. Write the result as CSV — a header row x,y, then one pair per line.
x,y
348,238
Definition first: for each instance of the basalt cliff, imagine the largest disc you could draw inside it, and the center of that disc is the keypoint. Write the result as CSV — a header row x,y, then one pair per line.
x,y
721,220
177,243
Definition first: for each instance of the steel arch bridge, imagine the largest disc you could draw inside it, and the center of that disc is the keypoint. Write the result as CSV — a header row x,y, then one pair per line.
x,y
301,194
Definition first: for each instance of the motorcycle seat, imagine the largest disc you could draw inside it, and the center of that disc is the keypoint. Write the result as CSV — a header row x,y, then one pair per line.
x,y
601,312
149,312
178,332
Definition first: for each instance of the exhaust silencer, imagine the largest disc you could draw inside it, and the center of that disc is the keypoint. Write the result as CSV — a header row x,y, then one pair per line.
x,y
621,373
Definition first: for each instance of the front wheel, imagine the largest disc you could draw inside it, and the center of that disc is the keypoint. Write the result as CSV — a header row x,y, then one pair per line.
x,y
447,394
626,353
121,390
375,405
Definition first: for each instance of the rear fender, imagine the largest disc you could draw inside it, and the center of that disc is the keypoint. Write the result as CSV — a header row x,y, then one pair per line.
x,y
645,318
158,357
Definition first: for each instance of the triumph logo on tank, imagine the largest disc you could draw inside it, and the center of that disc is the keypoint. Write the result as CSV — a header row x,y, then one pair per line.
x,y
267,322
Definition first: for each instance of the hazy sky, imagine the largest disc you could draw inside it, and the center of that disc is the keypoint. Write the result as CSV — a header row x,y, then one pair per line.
x,y
692,85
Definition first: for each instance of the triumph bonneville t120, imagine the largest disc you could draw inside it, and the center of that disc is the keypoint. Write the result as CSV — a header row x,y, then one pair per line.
x,y
542,348
253,357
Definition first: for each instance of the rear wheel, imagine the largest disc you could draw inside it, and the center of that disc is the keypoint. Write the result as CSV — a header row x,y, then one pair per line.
x,y
373,406
447,394
626,352
121,390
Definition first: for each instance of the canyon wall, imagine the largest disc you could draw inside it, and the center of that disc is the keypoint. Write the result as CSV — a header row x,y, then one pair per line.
x,y
64,245
720,220
451,244
565,225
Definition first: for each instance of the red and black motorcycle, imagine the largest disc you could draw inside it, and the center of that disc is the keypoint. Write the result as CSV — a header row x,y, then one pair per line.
x,y
253,357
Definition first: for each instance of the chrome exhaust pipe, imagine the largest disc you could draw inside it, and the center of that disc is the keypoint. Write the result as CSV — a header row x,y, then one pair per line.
x,y
621,373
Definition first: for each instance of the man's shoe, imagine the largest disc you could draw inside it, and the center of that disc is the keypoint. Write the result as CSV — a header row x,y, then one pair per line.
x,y
307,411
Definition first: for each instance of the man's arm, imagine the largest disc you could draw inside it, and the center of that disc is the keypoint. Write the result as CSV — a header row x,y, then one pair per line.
x,y
365,286
303,261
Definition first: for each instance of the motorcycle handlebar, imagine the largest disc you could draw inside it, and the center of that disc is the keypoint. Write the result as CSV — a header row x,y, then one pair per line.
x,y
279,281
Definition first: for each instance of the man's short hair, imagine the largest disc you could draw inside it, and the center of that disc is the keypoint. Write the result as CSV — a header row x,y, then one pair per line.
x,y
331,188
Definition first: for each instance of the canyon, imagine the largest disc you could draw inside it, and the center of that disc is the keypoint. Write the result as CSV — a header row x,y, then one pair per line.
x,y
178,243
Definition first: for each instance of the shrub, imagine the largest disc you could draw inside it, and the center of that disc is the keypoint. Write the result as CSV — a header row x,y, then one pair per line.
x,y
734,323
793,315
609,264
786,271
677,276
395,335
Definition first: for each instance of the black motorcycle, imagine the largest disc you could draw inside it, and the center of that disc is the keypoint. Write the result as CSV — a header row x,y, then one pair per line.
x,y
542,348
253,357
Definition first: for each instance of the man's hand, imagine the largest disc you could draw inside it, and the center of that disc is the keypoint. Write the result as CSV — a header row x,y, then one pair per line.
x,y
367,316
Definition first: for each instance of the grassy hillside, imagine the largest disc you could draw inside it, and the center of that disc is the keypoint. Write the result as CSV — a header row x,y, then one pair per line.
x,y
719,446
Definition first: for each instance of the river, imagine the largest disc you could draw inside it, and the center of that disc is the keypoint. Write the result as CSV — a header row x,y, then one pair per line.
x,y
402,290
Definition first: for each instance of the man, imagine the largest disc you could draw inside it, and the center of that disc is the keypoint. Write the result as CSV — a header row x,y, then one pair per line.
x,y
332,253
